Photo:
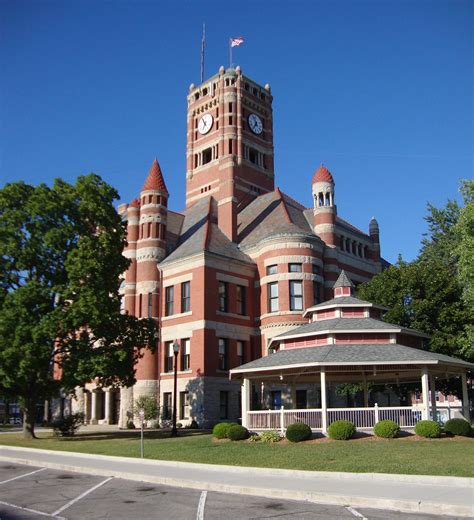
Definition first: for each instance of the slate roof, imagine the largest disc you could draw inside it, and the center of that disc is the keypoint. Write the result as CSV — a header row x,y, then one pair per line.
x,y
343,281
348,354
200,233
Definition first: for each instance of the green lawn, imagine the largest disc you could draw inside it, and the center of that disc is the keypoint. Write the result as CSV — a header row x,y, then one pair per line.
x,y
424,457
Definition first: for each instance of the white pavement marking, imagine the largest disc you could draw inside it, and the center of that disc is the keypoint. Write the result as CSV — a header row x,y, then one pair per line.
x,y
356,513
21,476
202,503
32,510
74,500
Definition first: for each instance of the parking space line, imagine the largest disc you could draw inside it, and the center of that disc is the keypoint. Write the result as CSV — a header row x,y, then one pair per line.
x,y
356,513
21,476
31,510
81,496
201,505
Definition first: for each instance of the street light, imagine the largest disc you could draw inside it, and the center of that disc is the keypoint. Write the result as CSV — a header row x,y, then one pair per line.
x,y
174,431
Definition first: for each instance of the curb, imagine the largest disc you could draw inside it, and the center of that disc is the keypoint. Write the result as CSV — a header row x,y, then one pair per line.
x,y
406,506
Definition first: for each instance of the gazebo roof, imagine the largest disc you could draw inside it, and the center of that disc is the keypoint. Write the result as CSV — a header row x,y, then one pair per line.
x,y
336,355
343,301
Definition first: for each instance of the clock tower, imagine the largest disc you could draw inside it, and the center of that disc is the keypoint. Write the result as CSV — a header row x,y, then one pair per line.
x,y
229,150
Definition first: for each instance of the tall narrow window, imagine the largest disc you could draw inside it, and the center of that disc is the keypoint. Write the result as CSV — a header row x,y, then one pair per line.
x,y
185,354
272,289
316,293
169,356
223,296
223,362
150,305
183,405
241,300
139,305
296,296
167,406
240,352
169,300
185,296
272,269
224,405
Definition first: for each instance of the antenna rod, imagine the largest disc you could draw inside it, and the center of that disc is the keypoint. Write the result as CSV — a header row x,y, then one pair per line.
x,y
203,44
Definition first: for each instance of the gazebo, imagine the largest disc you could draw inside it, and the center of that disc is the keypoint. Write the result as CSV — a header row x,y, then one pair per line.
x,y
344,343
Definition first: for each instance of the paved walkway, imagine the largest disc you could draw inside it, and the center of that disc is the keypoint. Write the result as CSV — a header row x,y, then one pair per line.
x,y
434,495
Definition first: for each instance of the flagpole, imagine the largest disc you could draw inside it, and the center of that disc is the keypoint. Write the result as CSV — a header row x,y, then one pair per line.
x,y
203,45
230,52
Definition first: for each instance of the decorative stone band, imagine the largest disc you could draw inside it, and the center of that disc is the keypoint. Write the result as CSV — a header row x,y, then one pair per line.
x,y
132,221
293,259
147,287
129,253
145,254
153,217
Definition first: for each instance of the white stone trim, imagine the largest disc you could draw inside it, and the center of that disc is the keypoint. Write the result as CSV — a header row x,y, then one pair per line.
x,y
290,276
293,259
177,280
177,315
232,315
206,259
226,200
279,243
145,254
146,287
132,221
232,279
130,253
282,313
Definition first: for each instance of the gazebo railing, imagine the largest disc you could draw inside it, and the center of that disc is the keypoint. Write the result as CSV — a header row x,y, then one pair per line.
x,y
363,418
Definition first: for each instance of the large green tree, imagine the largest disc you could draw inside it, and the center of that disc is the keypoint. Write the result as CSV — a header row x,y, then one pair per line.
x,y
431,293
60,267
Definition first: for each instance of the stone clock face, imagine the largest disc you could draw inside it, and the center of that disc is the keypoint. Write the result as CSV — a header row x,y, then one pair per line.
x,y
205,124
255,124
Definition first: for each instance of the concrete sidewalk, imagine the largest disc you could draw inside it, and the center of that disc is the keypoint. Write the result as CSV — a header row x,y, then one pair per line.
x,y
422,494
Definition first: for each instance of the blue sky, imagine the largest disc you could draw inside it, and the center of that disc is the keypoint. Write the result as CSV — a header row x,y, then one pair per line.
x,y
379,91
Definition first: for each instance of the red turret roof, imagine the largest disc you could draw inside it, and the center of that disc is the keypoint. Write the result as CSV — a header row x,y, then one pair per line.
x,y
155,180
135,203
322,174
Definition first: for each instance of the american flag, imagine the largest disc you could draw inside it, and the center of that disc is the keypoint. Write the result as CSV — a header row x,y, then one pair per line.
x,y
235,42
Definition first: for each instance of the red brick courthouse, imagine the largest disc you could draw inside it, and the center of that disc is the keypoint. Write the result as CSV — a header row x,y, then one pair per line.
x,y
237,267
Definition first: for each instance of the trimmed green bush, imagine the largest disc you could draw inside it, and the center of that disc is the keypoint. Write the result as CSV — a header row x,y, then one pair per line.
x,y
341,430
458,427
270,436
428,429
387,429
237,433
298,432
68,425
220,430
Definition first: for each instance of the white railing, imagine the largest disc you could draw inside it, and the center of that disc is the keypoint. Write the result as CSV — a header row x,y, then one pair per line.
x,y
363,418
446,412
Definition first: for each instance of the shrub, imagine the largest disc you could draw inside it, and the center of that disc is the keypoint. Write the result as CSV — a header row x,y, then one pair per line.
x,y
179,425
130,425
149,405
193,425
341,430
220,430
428,429
458,427
387,429
237,433
298,432
67,426
255,438
270,436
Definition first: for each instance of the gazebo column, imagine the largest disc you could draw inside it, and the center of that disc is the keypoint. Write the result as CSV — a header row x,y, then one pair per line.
x,y
425,411
246,389
465,397
433,397
324,408
94,407
366,392
108,406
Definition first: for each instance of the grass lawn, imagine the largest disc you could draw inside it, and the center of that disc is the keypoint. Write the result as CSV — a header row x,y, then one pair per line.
x,y
404,455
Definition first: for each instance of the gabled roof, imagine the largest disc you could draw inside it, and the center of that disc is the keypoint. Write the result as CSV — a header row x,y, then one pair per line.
x,y
343,281
154,180
366,354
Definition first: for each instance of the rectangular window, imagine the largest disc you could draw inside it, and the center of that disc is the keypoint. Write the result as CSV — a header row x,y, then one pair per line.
x,y
139,305
272,269
224,405
230,146
185,354
223,361
315,268
295,268
150,305
316,293
241,300
169,356
272,291
185,296
167,406
241,352
296,296
301,399
223,296
183,405
169,300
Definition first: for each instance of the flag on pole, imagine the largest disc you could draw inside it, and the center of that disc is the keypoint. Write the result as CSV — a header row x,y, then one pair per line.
x,y
235,42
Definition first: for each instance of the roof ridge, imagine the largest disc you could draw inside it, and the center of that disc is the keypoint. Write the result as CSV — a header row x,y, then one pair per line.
x,y
285,209
207,234
298,204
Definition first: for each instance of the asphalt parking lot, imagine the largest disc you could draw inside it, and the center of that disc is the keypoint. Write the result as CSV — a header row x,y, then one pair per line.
x,y
29,492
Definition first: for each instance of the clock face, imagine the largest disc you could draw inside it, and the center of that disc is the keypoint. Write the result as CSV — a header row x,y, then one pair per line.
x,y
255,124
205,124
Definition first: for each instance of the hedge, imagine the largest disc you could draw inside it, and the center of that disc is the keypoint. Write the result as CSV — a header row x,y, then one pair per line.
x,y
387,429
298,432
428,429
458,427
237,433
221,430
341,430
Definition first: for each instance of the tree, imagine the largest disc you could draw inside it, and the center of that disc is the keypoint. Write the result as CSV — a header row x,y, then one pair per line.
x,y
60,267
149,405
427,294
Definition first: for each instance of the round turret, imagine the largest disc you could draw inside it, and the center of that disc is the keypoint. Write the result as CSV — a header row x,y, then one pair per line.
x,y
324,205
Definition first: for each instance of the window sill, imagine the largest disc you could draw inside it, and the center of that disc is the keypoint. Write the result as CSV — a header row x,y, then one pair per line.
x,y
179,372
233,315
174,316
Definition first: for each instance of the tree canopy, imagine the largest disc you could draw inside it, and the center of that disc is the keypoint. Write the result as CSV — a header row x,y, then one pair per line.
x,y
61,265
435,292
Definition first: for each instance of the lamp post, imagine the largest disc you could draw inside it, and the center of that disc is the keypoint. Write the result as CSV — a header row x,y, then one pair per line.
x,y
174,431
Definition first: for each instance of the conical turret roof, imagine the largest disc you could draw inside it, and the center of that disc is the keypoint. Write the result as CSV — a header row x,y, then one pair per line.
x,y
343,281
322,174
154,180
